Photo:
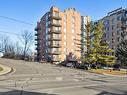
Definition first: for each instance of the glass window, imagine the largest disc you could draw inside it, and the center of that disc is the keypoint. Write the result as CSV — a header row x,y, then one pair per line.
x,y
126,14
65,43
73,19
118,32
113,27
73,30
73,25
106,22
65,17
118,39
64,29
119,18
64,36
113,20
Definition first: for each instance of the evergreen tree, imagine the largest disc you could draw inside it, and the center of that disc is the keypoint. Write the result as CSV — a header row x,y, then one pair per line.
x,y
98,49
121,52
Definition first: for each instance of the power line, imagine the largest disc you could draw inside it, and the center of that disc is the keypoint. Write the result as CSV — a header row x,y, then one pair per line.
x,y
19,21
9,33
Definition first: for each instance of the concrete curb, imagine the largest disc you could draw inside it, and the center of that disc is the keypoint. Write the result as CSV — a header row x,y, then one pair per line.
x,y
115,75
5,70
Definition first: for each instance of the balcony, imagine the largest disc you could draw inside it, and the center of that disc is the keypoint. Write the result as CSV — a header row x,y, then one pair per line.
x,y
37,28
54,39
56,59
54,24
57,17
36,34
37,44
124,26
37,39
37,48
54,32
54,52
54,45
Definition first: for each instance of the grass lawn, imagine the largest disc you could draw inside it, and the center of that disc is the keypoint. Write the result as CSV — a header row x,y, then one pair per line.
x,y
111,72
1,69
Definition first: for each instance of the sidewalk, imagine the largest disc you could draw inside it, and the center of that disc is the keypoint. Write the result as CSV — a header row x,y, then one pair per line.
x,y
5,70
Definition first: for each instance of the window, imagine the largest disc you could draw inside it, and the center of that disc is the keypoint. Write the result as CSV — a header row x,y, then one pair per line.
x,y
113,20
49,29
113,27
118,25
72,44
72,37
118,39
107,28
65,30
73,19
106,22
113,34
113,40
112,53
64,36
65,43
118,32
64,24
73,25
73,30
112,46
126,14
119,18
65,18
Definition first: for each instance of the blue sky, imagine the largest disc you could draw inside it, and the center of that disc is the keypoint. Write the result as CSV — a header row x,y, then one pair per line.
x,y
31,11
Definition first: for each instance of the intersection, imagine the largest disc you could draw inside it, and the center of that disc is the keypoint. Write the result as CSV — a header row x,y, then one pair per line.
x,y
32,78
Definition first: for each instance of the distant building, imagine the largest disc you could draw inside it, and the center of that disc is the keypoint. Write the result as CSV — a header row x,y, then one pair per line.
x,y
85,20
58,34
113,23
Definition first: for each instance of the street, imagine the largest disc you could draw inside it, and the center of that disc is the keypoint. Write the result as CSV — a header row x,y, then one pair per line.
x,y
32,78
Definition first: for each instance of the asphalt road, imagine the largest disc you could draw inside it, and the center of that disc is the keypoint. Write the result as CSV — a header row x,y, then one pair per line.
x,y
32,78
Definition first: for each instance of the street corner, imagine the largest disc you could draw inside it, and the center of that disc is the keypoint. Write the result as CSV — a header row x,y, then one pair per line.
x,y
6,69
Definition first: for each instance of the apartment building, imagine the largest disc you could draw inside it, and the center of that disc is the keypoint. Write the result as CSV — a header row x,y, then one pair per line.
x,y
85,20
113,23
58,34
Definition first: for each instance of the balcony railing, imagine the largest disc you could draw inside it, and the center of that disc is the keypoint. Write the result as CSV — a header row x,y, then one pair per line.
x,y
37,28
54,52
54,32
37,39
54,24
54,45
57,17
55,39
56,59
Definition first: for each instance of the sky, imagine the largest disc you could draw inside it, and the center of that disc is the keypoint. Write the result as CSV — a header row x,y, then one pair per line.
x,y
30,11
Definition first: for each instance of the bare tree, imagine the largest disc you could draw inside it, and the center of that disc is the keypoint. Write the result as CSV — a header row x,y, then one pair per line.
x,y
18,50
27,40
7,47
4,43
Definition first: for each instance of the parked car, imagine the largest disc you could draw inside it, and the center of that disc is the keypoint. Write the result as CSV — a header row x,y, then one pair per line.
x,y
116,67
82,66
63,63
71,64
